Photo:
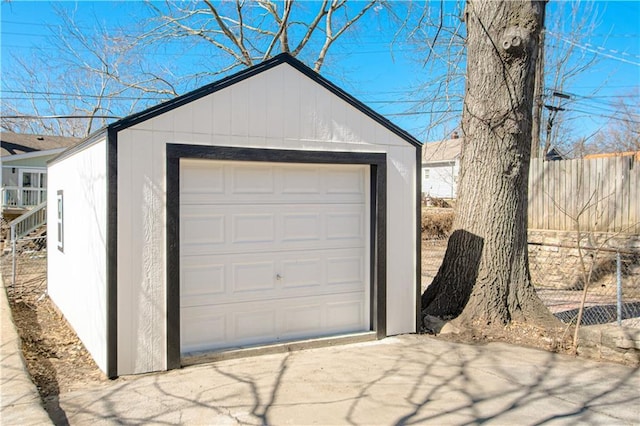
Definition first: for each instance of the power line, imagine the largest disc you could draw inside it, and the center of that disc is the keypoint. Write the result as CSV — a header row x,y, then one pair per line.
x,y
55,117
607,116
64,95
599,50
423,112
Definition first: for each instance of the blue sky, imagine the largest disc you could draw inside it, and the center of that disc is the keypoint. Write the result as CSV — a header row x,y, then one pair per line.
x,y
363,64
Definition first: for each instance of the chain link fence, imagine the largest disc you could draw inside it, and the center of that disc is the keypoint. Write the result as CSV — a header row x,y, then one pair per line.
x,y
605,280
24,264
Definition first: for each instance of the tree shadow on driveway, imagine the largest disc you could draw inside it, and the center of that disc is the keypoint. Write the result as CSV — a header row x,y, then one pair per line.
x,y
402,380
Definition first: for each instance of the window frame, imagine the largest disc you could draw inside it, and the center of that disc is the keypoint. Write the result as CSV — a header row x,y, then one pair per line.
x,y
60,221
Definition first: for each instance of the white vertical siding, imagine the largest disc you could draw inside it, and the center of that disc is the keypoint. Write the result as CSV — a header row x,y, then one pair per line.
x,y
280,109
442,180
141,266
76,277
401,231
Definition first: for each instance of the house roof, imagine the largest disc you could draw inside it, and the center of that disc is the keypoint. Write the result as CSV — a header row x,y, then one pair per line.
x,y
446,150
236,78
635,154
554,155
22,143
11,159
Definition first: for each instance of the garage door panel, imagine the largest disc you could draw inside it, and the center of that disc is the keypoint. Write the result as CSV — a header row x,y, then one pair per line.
x,y
203,229
345,182
267,199
301,180
301,274
253,324
271,228
203,279
202,177
253,228
345,225
272,252
238,183
198,325
301,318
251,180
347,313
241,324
253,276
301,226
345,270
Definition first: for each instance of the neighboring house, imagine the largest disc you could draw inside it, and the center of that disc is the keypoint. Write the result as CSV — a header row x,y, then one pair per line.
x,y
440,167
267,207
635,154
24,169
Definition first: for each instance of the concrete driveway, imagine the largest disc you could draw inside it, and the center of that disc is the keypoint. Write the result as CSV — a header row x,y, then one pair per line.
x,y
400,380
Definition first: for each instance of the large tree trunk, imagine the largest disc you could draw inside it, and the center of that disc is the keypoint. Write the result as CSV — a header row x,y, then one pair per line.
x,y
484,276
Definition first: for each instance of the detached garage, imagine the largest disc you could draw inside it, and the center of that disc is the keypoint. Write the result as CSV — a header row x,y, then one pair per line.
x,y
265,208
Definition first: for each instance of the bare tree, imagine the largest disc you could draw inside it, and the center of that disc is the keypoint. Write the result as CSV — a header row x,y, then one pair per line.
x,y
484,278
570,26
623,130
86,78
437,35
249,32
101,73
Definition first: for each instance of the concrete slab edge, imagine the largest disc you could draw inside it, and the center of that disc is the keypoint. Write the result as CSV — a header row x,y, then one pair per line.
x,y
200,358
20,402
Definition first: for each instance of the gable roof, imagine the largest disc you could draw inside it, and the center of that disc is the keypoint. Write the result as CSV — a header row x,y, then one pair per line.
x,y
446,150
283,58
22,143
554,155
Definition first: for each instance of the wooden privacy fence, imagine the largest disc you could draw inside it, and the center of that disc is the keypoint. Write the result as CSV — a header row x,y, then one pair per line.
x,y
601,194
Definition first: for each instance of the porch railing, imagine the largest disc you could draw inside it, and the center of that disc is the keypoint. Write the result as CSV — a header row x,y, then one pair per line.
x,y
29,221
13,196
22,226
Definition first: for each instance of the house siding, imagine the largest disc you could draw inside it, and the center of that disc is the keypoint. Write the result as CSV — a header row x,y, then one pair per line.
x,y
76,275
442,180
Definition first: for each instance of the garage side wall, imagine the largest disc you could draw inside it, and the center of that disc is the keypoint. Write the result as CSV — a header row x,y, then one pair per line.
x,y
280,108
76,273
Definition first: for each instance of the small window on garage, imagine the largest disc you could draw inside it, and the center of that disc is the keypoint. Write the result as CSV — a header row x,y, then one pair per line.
x,y
60,221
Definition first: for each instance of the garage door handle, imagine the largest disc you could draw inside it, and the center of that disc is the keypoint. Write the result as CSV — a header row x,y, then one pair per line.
x,y
278,276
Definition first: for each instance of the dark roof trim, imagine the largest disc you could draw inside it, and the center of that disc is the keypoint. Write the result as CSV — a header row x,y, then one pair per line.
x,y
249,72
11,148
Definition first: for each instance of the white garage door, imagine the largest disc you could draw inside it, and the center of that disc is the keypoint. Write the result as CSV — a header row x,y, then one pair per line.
x,y
272,252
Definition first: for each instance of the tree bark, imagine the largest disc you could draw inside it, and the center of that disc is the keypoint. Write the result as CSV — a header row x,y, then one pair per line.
x,y
484,277
538,90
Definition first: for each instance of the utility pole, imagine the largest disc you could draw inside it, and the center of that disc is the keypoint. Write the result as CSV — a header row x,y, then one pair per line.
x,y
538,90
553,111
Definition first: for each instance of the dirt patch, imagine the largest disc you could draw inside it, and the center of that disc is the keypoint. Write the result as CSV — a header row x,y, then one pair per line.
x,y
557,339
56,359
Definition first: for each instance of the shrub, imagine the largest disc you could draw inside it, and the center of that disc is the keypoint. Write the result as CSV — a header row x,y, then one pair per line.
x,y
436,223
